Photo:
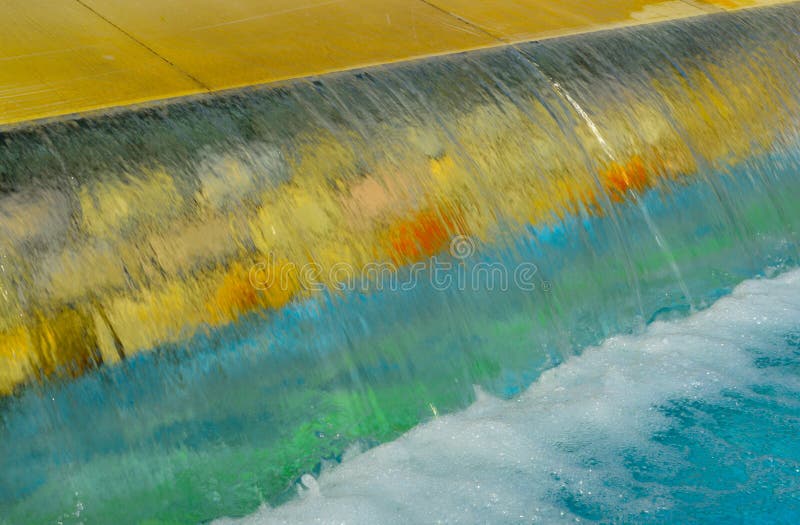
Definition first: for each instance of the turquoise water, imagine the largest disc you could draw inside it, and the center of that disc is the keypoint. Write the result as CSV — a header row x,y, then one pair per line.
x,y
694,420
234,419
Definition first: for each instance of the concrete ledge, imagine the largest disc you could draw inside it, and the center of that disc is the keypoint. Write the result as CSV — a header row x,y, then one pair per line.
x,y
83,55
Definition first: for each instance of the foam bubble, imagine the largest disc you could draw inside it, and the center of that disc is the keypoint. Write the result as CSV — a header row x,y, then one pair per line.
x,y
563,450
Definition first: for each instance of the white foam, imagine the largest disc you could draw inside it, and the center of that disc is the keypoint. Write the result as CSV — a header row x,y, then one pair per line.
x,y
503,461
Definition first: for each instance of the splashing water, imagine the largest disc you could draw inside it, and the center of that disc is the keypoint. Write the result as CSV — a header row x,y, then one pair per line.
x,y
691,421
205,304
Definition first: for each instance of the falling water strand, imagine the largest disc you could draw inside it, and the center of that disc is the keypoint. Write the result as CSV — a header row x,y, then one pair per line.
x,y
632,275
659,238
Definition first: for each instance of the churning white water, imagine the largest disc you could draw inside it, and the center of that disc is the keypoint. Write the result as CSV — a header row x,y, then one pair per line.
x,y
581,436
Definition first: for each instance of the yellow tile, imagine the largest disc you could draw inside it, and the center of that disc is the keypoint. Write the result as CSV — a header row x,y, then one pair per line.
x,y
64,57
59,57
517,20
227,44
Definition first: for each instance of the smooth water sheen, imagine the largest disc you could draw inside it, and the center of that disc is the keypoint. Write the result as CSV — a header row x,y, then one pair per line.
x,y
693,421
153,371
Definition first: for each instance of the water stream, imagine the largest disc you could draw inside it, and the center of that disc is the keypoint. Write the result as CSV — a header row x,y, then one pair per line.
x,y
204,303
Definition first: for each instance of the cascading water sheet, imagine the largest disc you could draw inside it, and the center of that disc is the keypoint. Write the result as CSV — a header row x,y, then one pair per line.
x,y
205,304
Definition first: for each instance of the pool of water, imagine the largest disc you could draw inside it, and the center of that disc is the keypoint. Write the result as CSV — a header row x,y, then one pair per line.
x,y
692,421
